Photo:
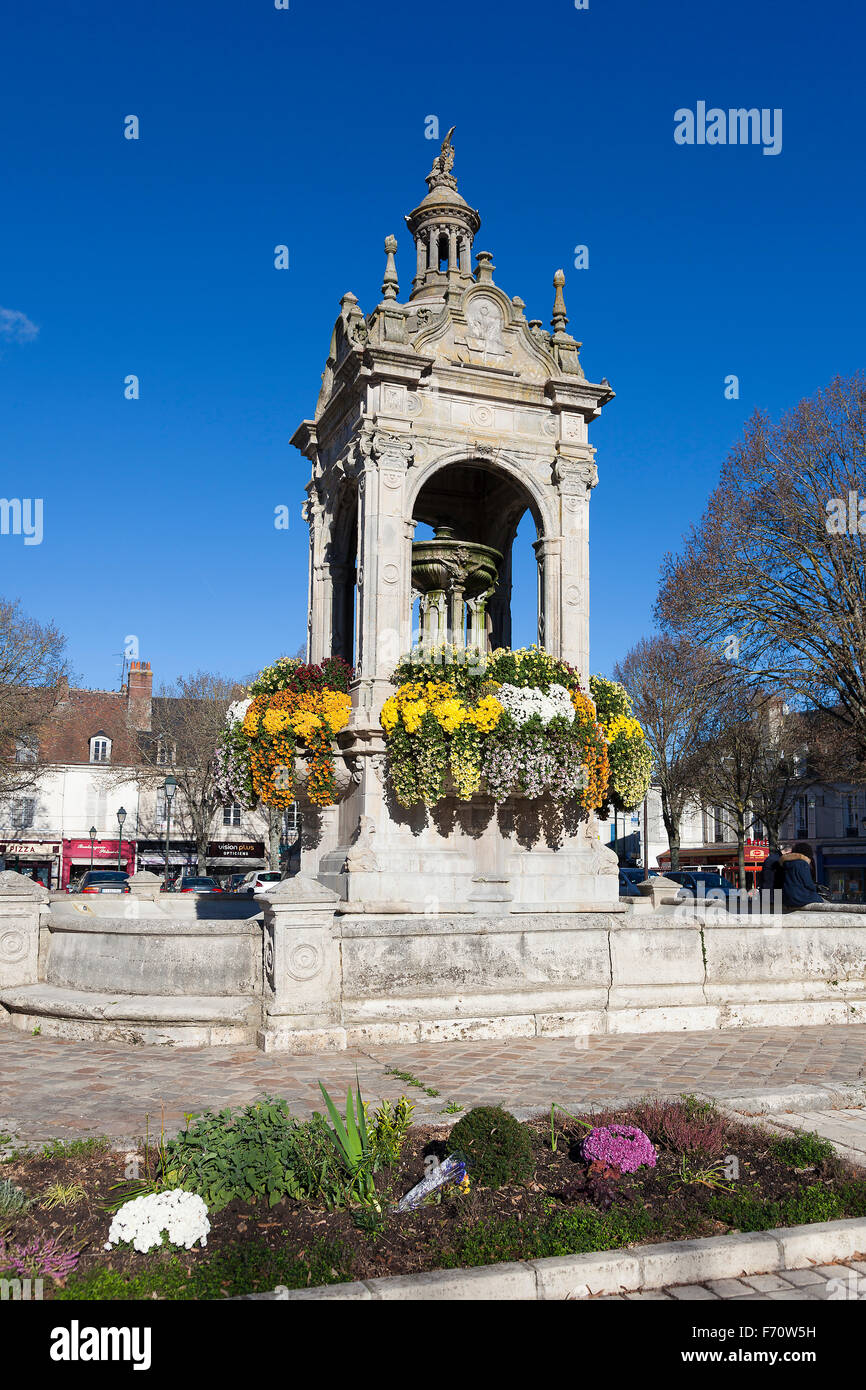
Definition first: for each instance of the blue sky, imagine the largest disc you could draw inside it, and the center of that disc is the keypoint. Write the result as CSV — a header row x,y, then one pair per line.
x,y
306,127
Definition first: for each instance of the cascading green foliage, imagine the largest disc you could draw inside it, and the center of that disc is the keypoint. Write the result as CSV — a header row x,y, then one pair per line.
x,y
496,1146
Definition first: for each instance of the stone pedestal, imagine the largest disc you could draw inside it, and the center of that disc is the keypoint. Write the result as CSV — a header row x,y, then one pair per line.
x,y
301,969
21,905
146,885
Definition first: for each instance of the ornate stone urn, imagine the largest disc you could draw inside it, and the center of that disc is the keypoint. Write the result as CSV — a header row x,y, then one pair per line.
x,y
455,579
343,778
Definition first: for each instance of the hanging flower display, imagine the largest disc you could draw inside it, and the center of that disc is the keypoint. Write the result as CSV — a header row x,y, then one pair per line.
x,y
516,721
628,751
289,702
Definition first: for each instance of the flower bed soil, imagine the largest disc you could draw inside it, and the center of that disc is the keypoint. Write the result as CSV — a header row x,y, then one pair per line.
x,y
564,1209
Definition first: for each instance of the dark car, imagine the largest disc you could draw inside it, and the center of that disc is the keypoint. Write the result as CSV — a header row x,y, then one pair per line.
x,y
201,884
105,881
638,875
690,881
627,888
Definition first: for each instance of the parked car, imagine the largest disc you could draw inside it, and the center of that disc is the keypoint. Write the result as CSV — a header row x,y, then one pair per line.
x,y
260,881
692,878
638,875
104,881
627,888
199,884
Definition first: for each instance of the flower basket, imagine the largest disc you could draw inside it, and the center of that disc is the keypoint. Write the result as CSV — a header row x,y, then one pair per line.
x,y
343,779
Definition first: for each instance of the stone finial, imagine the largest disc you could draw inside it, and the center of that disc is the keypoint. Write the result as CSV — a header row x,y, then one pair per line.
x,y
390,284
519,306
13,884
484,268
560,318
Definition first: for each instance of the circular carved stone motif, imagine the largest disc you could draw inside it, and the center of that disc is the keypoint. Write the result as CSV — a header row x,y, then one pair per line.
x,y
390,574
481,415
548,426
572,595
13,946
413,403
305,961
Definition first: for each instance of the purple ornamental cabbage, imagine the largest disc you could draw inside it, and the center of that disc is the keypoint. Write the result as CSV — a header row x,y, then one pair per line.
x,y
624,1146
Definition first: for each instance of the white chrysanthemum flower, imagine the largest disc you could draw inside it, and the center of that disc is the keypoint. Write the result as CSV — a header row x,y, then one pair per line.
x,y
182,1215
237,710
522,702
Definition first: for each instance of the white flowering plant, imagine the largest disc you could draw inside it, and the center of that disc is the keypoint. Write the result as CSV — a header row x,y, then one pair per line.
x,y
181,1215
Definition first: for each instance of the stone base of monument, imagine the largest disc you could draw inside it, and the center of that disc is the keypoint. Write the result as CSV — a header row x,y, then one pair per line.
x,y
378,856
139,970
336,979
311,974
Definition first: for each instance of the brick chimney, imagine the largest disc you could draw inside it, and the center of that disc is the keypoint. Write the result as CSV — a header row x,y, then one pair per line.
x,y
139,689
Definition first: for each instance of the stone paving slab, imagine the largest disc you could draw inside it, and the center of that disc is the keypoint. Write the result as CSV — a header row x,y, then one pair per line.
x,y
57,1088
842,1282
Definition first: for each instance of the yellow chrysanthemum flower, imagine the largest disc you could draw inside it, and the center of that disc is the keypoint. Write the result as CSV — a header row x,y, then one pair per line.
x,y
275,720
450,714
413,713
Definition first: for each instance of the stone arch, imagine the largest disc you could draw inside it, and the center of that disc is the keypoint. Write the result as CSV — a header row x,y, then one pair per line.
x,y
481,499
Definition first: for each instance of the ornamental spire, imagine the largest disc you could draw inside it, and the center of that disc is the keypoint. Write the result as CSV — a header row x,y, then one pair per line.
x,y
560,319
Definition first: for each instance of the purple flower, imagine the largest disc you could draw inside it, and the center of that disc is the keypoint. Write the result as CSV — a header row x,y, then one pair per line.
x,y
623,1146
37,1258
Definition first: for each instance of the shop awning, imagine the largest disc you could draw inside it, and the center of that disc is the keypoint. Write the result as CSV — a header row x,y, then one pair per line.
x,y
173,858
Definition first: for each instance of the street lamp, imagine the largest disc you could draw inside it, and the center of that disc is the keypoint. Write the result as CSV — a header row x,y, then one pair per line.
x,y
92,838
121,817
169,786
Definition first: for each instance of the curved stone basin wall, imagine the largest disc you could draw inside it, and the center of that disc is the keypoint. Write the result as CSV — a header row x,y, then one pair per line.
x,y
171,957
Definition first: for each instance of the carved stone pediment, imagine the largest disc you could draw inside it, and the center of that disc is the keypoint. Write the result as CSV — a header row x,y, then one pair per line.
x,y
484,329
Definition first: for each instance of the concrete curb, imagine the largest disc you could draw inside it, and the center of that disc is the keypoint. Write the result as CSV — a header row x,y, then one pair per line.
x,y
610,1271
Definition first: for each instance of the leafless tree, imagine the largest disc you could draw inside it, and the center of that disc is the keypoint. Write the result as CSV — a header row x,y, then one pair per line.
x,y
188,718
34,677
675,690
774,574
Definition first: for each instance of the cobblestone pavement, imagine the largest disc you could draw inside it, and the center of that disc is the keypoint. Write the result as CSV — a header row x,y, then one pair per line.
x,y
836,1282
53,1088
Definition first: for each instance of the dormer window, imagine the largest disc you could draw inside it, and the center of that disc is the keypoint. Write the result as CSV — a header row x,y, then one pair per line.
x,y
100,748
165,751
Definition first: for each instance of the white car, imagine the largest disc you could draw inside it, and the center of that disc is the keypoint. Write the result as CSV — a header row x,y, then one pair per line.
x,y
259,881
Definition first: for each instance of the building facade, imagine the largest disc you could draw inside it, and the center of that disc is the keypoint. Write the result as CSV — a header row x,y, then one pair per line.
x,y
89,757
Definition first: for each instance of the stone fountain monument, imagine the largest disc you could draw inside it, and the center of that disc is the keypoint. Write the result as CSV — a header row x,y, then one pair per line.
x,y
454,410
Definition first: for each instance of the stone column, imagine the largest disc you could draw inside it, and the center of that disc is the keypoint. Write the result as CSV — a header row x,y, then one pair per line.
x,y
548,552
384,574
575,477
452,248
22,901
320,596
433,260
421,252
301,974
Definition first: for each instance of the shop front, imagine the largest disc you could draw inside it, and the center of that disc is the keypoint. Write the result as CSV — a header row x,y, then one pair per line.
x,y
79,856
226,857
843,871
723,859
36,858
182,858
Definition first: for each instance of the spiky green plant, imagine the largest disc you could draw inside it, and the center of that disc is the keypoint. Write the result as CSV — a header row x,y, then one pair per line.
x,y
352,1141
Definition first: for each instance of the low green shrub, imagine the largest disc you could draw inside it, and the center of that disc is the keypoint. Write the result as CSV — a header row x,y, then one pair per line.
x,y
12,1199
388,1127
249,1268
258,1153
803,1149
496,1146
